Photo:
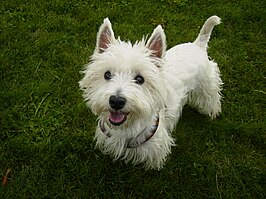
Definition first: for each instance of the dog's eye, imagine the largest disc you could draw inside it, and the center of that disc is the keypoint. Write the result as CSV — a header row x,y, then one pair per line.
x,y
139,79
107,75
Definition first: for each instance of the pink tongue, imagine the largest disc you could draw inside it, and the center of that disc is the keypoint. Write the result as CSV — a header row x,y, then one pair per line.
x,y
116,117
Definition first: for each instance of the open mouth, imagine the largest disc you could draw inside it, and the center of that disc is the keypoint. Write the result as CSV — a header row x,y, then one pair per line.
x,y
117,118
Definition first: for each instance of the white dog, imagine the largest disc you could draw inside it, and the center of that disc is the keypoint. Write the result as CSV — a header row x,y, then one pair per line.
x,y
138,91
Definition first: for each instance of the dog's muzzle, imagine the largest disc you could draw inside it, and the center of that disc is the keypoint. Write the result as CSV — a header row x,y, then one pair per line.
x,y
116,116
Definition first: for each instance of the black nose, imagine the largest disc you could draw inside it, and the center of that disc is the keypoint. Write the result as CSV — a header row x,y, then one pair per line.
x,y
117,102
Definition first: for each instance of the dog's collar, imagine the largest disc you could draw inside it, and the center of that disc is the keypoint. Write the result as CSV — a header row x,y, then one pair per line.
x,y
132,143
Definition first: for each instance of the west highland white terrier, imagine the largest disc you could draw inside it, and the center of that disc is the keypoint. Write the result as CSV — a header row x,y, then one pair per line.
x,y
138,91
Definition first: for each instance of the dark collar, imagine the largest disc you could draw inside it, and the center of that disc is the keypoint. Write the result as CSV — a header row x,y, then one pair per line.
x,y
131,143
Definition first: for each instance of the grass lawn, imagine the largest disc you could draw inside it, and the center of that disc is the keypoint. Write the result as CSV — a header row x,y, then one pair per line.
x,y
46,131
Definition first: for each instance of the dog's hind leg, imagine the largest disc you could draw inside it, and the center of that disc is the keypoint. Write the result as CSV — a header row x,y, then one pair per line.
x,y
207,96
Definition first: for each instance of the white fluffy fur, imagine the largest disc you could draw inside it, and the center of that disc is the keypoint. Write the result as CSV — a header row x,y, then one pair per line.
x,y
183,74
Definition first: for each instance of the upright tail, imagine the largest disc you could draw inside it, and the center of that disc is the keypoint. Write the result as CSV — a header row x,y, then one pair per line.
x,y
206,30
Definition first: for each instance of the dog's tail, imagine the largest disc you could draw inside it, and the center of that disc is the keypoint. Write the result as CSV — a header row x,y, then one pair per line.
x,y
205,32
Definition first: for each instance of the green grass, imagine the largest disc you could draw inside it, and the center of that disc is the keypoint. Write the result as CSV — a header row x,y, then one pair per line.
x,y
46,131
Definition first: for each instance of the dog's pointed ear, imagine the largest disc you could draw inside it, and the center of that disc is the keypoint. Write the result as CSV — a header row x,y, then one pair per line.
x,y
157,42
105,36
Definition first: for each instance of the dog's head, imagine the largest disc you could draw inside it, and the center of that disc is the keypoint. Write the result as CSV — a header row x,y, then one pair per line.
x,y
124,82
